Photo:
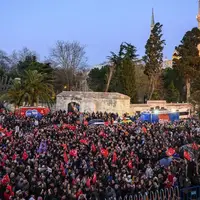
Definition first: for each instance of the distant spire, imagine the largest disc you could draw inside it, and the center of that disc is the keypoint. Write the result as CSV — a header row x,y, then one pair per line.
x,y
199,8
198,15
153,20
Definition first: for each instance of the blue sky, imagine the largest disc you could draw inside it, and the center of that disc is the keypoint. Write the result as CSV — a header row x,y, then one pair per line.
x,y
101,25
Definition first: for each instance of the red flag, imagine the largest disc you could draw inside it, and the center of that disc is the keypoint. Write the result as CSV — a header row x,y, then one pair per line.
x,y
132,153
73,128
93,148
187,155
65,157
62,169
8,134
25,156
114,157
14,157
5,157
73,152
5,180
64,146
144,130
94,179
103,134
195,146
88,182
83,141
104,152
170,152
79,192
130,165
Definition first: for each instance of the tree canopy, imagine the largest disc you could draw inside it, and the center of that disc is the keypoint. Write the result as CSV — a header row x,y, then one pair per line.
x,y
187,62
153,57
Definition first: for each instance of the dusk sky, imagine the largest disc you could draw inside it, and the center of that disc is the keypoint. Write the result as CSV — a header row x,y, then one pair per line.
x,y
101,25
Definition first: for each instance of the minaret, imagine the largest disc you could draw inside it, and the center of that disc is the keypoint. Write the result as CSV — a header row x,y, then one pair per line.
x,y
153,20
198,16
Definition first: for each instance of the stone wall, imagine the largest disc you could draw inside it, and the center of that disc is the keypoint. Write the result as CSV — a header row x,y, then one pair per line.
x,y
112,102
94,101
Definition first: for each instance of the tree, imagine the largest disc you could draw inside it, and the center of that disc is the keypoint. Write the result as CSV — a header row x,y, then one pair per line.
x,y
123,71
128,60
5,62
36,88
195,92
15,94
187,61
114,60
141,81
171,75
70,57
31,89
97,79
5,84
172,94
153,58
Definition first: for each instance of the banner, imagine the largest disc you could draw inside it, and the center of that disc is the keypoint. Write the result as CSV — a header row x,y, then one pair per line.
x,y
163,118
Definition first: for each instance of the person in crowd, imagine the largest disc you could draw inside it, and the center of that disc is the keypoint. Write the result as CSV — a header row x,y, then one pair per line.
x,y
60,158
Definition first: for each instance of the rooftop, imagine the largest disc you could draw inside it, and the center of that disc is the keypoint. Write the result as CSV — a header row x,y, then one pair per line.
x,y
93,95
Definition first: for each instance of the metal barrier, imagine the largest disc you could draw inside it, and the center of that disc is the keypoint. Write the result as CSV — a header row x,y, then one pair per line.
x,y
190,193
172,193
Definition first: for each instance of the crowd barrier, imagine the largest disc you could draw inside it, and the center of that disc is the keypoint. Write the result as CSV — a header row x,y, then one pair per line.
x,y
190,193
163,194
174,193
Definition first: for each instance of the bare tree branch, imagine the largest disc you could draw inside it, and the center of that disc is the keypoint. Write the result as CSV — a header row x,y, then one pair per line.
x,y
71,58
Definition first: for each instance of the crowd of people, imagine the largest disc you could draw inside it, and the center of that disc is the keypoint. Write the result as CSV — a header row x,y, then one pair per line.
x,y
61,157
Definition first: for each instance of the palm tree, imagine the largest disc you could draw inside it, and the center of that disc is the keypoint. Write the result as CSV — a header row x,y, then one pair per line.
x,y
37,88
15,94
32,88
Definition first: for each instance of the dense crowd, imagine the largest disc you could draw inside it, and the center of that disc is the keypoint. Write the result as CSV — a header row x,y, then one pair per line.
x,y
61,157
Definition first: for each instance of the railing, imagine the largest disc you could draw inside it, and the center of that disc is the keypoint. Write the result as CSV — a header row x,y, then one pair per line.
x,y
190,193
174,193
163,194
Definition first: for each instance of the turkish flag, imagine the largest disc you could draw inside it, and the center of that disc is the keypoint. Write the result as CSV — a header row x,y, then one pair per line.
x,y
5,180
25,156
14,157
195,146
64,146
170,152
114,157
144,130
187,155
130,165
73,152
104,152
83,141
62,169
8,134
93,148
88,182
94,179
65,157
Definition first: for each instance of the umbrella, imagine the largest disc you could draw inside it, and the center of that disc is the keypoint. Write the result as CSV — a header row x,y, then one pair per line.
x,y
167,161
